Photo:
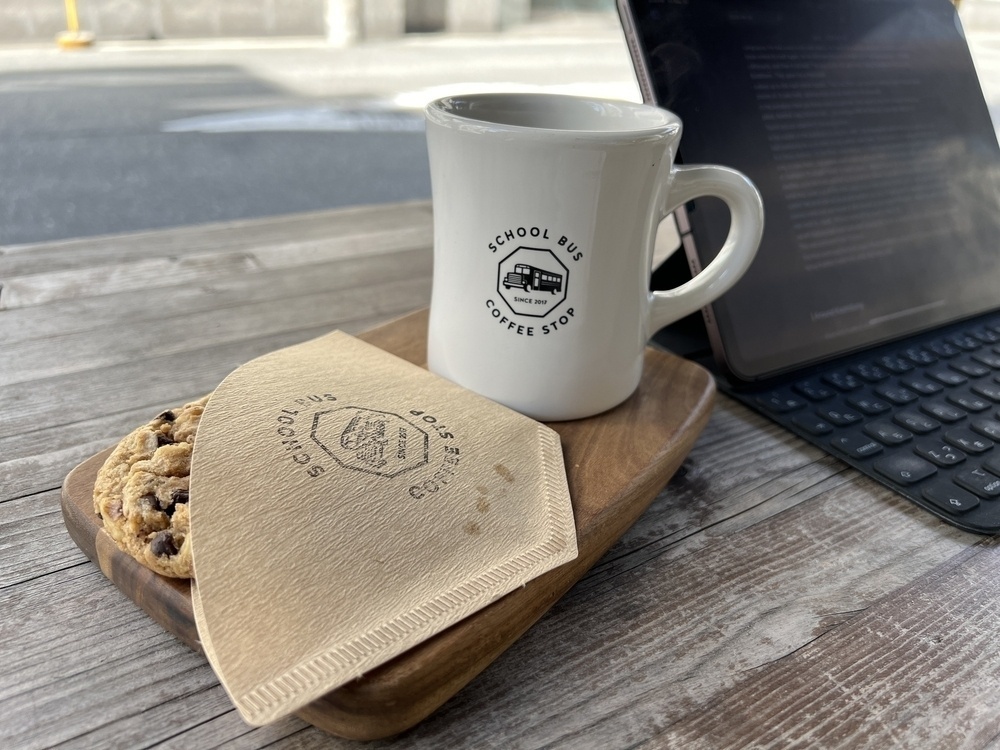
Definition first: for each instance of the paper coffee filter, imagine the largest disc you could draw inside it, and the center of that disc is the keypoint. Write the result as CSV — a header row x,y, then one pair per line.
x,y
347,505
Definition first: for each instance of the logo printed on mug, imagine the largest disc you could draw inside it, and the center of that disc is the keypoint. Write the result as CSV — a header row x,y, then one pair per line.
x,y
533,281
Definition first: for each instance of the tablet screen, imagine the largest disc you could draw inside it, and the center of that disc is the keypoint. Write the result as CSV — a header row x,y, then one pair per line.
x,y
864,126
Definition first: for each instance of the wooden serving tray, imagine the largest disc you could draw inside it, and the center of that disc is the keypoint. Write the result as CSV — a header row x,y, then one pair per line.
x,y
616,464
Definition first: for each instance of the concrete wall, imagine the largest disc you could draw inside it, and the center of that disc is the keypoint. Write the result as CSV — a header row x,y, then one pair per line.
x,y
342,21
980,15
146,19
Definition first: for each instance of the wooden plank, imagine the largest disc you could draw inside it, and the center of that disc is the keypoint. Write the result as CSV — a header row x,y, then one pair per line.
x,y
229,731
742,471
35,658
39,460
91,394
33,539
151,274
33,275
66,399
911,671
173,333
221,237
147,274
49,694
290,255
69,316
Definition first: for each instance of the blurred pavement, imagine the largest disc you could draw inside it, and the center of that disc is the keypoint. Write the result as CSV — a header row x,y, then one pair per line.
x,y
127,136
140,135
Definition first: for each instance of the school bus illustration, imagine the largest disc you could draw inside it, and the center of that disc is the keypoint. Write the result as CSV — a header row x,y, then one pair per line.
x,y
530,279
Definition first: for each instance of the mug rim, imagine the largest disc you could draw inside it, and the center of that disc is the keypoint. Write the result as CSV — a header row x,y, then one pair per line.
x,y
453,112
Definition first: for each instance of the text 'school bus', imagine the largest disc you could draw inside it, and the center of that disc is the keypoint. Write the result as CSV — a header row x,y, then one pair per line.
x,y
530,278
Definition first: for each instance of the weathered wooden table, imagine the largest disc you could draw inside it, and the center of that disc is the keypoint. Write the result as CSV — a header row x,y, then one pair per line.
x,y
769,597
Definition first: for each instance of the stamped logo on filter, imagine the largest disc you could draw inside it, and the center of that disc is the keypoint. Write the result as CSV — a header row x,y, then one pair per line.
x,y
375,442
319,436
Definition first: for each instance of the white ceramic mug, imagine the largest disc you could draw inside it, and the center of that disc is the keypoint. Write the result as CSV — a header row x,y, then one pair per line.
x,y
545,214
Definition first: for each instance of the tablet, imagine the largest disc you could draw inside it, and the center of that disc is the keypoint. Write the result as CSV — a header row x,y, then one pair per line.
x,y
864,126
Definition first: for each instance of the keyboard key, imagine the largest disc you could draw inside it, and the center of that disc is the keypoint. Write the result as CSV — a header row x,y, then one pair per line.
x,y
887,433
916,422
990,359
979,482
812,425
857,446
921,385
992,464
986,335
988,390
942,411
987,427
946,376
839,416
948,497
869,372
897,394
963,341
869,404
780,402
897,365
968,441
971,369
968,401
813,390
842,381
938,452
904,468
943,348
919,356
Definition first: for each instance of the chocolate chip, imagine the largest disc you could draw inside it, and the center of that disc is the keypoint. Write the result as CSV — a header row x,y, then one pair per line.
x,y
177,496
168,415
162,439
163,545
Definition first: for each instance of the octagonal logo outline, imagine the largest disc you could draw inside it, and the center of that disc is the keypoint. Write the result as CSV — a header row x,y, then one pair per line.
x,y
367,443
534,283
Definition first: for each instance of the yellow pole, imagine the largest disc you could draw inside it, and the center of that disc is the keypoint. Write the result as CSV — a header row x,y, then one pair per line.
x,y
72,20
73,38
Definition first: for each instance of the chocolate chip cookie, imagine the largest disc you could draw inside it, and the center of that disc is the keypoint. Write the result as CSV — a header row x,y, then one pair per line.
x,y
141,492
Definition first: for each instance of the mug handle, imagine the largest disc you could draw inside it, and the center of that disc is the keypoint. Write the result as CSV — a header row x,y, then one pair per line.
x,y
747,225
